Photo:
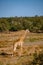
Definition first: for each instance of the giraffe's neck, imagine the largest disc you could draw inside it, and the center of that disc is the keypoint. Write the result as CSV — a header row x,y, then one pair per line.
x,y
23,36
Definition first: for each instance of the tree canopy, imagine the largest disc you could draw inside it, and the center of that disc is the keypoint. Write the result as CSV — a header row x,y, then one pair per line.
x,y
34,24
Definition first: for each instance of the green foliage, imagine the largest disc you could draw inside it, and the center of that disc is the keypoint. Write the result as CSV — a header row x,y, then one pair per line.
x,y
1,63
37,59
34,24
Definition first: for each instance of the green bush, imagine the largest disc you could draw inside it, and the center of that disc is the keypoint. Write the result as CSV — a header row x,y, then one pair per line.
x,y
34,24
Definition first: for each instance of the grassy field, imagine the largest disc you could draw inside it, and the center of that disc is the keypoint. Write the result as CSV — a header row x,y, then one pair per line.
x,y
33,44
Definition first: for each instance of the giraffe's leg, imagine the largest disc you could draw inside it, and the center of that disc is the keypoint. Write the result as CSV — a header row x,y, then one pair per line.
x,y
21,46
15,47
21,49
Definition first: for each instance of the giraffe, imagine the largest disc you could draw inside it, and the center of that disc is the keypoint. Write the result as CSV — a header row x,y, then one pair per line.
x,y
20,41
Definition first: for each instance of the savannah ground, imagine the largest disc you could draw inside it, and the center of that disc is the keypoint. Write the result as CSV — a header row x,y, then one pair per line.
x,y
33,44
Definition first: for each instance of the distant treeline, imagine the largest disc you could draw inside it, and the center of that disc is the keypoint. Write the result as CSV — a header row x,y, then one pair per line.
x,y
34,24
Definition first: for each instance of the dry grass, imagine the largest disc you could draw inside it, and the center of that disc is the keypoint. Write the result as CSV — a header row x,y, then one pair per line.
x,y
32,43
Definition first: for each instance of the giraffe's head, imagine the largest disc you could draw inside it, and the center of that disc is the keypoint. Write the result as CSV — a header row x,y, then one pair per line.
x,y
27,30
